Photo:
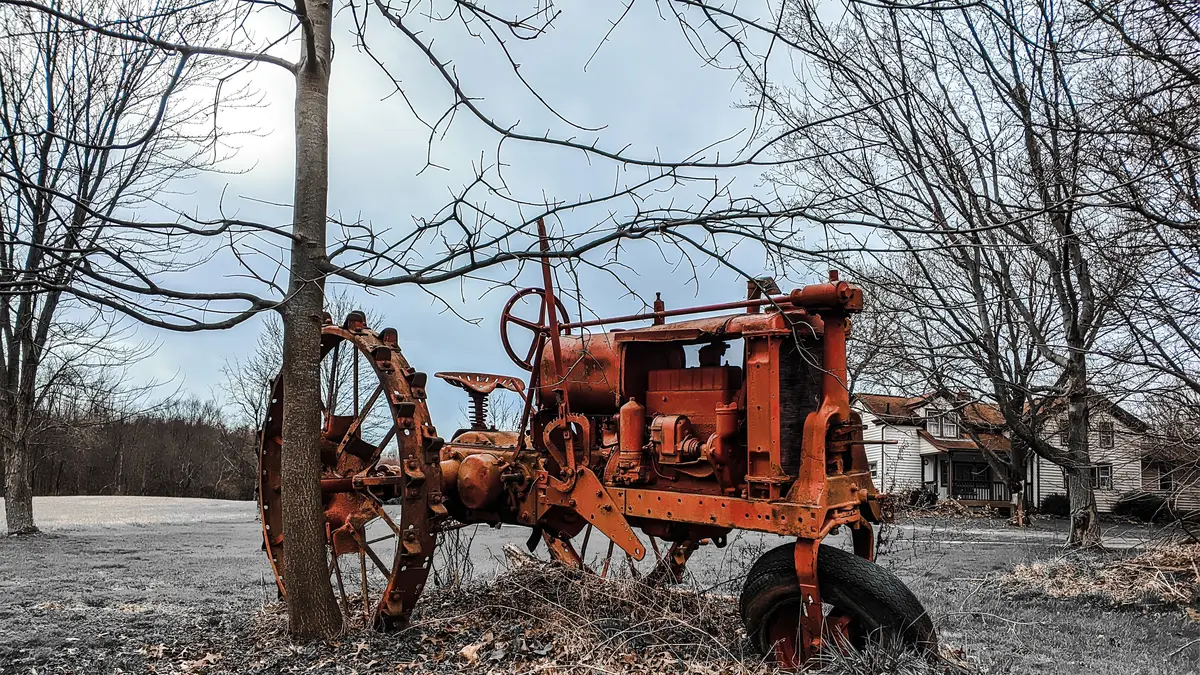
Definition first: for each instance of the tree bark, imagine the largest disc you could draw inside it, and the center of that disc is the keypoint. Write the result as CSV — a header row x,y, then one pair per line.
x,y
312,610
1020,508
1085,519
1016,484
18,494
22,365
18,489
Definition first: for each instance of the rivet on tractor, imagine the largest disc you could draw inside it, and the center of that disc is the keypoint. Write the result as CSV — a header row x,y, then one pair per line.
x,y
710,419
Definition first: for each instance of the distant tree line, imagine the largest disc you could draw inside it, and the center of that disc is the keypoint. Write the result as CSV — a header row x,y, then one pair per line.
x,y
182,448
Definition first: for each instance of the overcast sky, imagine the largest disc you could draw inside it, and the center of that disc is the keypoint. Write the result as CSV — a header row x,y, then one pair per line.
x,y
646,86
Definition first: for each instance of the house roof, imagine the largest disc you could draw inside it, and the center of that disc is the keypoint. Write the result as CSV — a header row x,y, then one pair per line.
x,y
889,408
983,413
984,419
903,409
1177,451
945,444
1097,403
993,442
996,442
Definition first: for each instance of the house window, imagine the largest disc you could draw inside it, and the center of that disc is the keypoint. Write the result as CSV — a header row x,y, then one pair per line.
x,y
1101,477
943,470
941,423
1106,434
950,425
1062,433
874,471
1165,482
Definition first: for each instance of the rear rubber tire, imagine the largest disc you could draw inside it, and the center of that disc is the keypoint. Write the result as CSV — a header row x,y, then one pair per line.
x,y
880,607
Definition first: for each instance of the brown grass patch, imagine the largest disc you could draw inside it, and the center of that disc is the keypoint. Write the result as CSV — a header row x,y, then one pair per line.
x,y
538,617
1167,574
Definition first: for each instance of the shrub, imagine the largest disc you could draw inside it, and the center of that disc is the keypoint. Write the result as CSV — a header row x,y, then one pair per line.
x,y
889,504
1144,506
921,498
1056,505
913,501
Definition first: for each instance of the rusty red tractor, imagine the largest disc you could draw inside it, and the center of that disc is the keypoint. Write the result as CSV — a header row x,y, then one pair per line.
x,y
618,433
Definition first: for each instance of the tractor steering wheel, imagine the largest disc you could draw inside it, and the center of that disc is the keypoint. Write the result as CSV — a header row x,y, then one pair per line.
x,y
539,327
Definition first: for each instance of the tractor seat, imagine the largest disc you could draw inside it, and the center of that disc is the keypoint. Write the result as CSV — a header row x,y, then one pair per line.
x,y
483,383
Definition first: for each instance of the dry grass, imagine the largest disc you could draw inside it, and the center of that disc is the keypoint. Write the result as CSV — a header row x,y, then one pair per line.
x,y
907,505
1167,574
537,617
577,619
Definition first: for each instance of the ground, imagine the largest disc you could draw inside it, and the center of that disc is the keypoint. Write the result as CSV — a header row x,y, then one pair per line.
x,y
166,585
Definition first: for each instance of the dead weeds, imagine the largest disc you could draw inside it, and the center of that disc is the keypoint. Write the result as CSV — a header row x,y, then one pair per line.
x,y
540,617
952,508
1167,574
906,505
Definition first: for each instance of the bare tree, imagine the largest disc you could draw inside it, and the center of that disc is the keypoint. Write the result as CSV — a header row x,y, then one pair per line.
x,y
70,103
247,380
84,381
974,165
1145,115
949,330
1172,449
1145,107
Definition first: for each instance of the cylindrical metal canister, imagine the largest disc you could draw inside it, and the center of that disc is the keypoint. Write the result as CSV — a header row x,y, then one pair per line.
x,y
633,432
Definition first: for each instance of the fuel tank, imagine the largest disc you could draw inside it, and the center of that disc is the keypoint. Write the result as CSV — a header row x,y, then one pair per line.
x,y
602,372
592,365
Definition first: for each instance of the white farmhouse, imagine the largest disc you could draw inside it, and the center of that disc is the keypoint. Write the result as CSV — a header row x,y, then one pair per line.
x,y
926,444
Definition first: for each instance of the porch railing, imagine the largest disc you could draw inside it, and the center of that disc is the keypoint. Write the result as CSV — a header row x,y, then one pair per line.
x,y
981,490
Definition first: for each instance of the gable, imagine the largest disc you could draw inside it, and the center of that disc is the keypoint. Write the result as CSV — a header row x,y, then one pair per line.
x,y
935,403
1099,405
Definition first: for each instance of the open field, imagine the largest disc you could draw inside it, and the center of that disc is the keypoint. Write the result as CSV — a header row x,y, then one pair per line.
x,y
139,584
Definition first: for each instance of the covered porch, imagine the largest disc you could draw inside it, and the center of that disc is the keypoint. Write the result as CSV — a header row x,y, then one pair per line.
x,y
965,475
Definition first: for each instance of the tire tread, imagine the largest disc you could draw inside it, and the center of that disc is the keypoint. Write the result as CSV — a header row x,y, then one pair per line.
x,y
869,593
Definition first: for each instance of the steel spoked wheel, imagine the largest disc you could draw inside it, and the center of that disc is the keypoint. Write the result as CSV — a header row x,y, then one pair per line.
x,y
381,480
861,601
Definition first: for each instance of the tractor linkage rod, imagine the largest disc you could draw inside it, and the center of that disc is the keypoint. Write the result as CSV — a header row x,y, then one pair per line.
x,y
702,309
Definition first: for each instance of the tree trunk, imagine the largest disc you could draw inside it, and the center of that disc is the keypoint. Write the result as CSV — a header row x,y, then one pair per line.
x,y
312,610
1012,472
1085,519
1020,508
1016,484
18,494
120,471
